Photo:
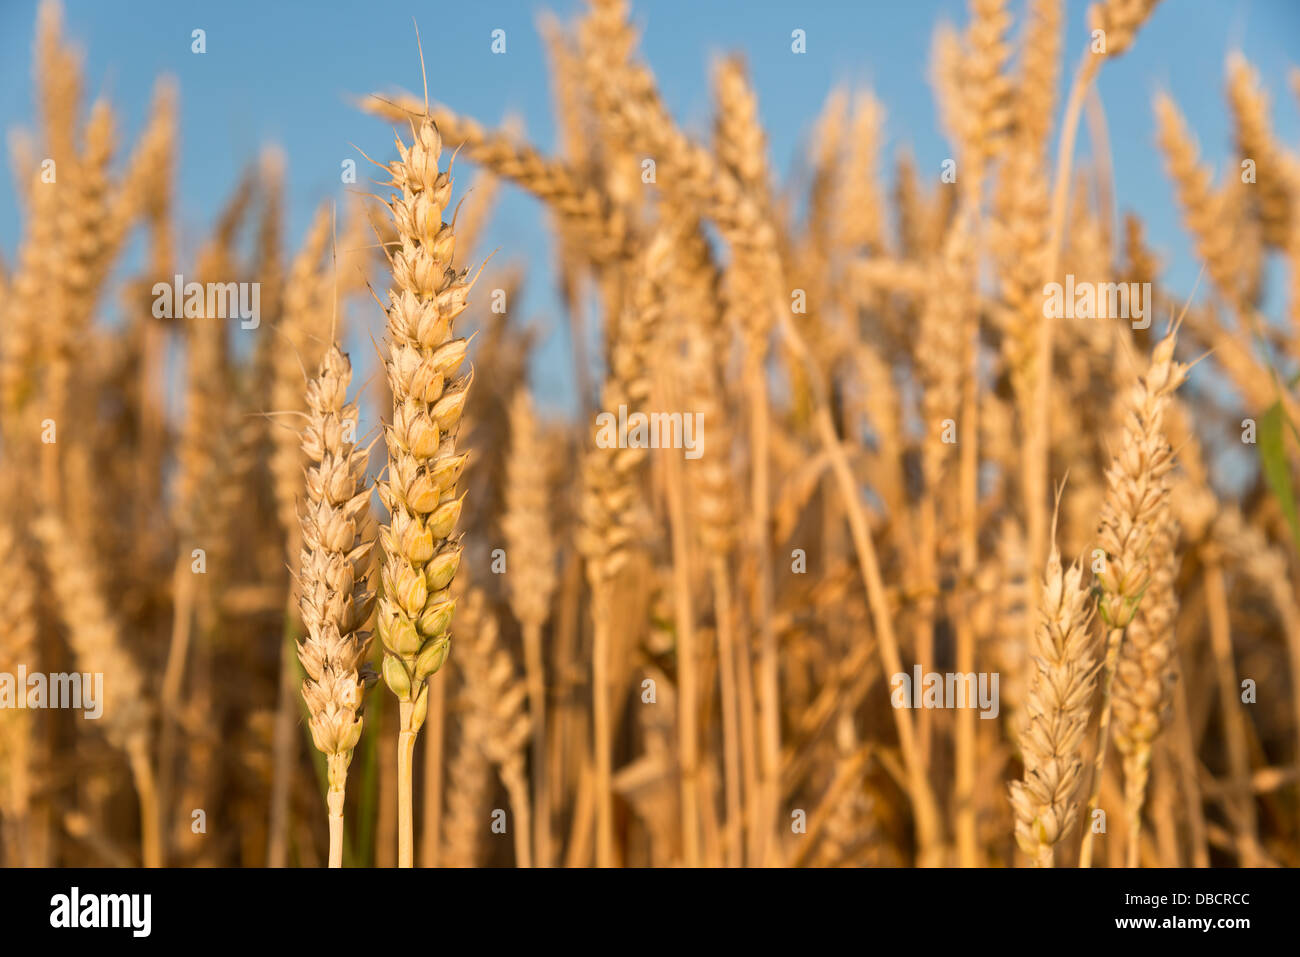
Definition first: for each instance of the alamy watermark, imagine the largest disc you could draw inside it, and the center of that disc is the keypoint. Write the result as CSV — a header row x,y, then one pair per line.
x,y
652,430
75,909
1098,300
81,691
949,690
213,300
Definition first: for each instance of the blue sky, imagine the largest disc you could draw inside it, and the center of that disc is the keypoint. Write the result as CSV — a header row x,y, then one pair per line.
x,y
283,72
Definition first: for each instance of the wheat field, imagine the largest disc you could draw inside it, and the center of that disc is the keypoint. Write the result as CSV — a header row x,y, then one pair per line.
x,y
893,527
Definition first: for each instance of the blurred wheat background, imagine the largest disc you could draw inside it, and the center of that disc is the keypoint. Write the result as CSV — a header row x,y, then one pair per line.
x,y
585,655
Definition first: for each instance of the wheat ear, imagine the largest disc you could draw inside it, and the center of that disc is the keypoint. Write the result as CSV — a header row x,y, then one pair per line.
x,y
1205,210
1056,713
421,549
333,599
581,206
987,102
1274,199
1135,506
297,329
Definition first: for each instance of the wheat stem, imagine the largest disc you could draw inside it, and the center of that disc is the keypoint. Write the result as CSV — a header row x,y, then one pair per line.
x,y
727,680
434,734
1114,638
534,669
406,733
334,799
147,791
600,719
